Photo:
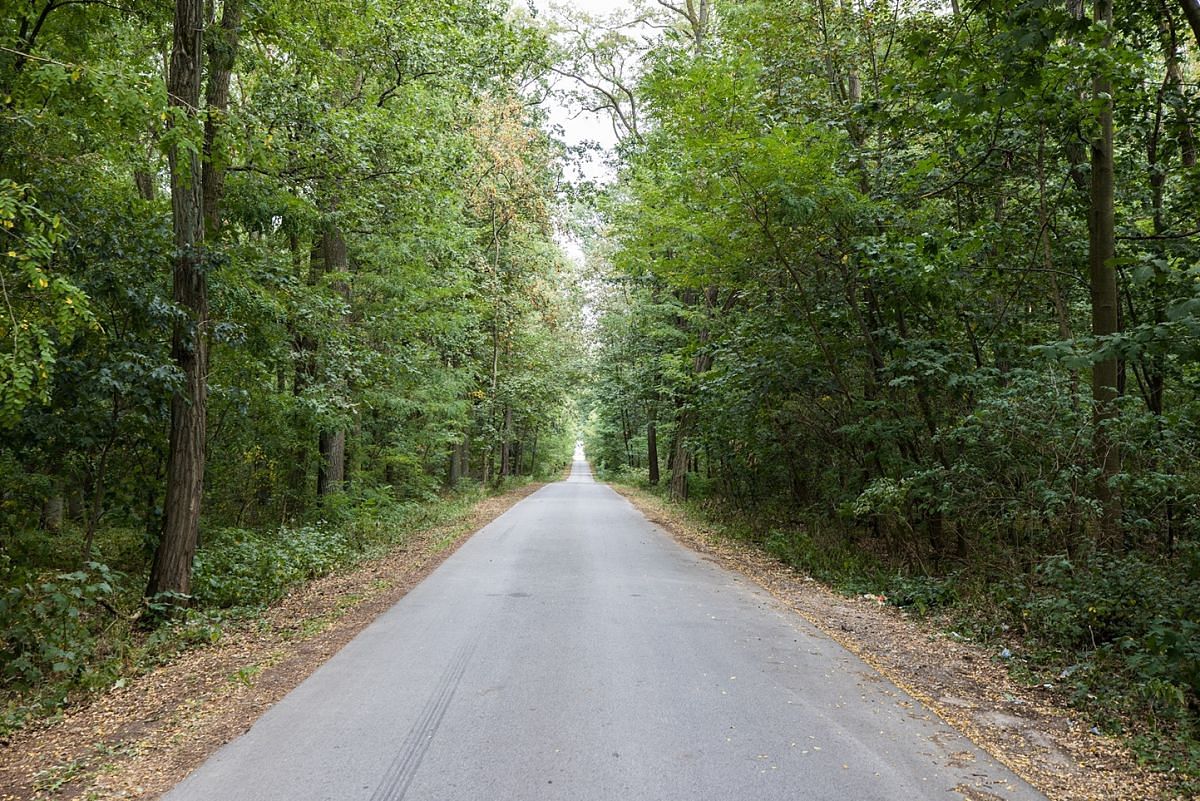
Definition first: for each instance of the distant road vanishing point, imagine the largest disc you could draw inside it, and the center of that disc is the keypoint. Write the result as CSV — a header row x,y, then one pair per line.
x,y
571,650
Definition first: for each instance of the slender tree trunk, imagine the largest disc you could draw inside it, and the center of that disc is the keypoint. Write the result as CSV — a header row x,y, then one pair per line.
x,y
506,443
304,371
1174,82
172,567
680,458
625,435
1102,274
331,255
222,52
652,449
454,466
95,505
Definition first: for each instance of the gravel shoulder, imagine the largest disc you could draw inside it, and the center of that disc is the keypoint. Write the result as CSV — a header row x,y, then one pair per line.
x,y
138,741
1025,729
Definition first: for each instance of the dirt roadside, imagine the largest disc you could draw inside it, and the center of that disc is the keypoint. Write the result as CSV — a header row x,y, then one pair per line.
x,y
138,741
1047,745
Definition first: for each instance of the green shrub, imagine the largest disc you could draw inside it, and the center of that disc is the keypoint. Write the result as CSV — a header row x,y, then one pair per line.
x,y
238,567
831,559
1108,598
48,623
923,594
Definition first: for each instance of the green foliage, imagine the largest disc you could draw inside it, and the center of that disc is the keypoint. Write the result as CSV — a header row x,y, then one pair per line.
x,y
383,279
49,622
844,272
246,568
42,310
1134,613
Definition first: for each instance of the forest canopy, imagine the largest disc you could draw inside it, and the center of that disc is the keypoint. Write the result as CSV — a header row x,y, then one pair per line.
x,y
270,291
906,292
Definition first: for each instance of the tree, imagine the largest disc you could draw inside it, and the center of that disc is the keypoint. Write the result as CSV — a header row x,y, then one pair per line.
x,y
1105,323
172,567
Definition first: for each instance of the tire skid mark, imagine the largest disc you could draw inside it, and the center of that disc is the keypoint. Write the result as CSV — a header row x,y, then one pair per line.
x,y
416,743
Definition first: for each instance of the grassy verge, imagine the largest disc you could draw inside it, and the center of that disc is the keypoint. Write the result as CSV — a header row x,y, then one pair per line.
x,y
68,634
1115,636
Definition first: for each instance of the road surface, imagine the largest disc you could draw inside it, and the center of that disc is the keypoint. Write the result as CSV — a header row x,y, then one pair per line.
x,y
573,651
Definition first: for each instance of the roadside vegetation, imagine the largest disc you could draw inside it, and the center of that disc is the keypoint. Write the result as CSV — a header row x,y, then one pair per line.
x,y
71,633
905,293
271,299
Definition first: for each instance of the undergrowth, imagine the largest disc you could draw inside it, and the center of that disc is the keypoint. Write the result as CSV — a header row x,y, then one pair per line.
x,y
67,633
1117,636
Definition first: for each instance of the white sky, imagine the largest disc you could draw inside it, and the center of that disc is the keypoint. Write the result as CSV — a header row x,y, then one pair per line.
x,y
580,126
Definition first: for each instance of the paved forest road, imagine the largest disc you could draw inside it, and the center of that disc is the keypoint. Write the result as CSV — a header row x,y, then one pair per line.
x,y
571,650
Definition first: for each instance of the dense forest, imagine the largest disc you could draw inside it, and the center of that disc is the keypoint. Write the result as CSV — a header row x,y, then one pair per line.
x,y
903,291
907,293
276,280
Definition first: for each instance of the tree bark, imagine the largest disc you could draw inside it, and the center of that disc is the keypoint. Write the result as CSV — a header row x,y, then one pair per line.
x,y
172,568
1103,279
222,51
143,180
680,458
331,471
506,443
454,465
652,449
331,468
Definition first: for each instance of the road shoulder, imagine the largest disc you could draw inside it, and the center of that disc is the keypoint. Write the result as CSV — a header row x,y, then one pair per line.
x,y
138,741
1047,745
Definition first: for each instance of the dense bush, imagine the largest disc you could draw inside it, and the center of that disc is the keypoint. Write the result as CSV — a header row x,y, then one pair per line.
x,y
239,567
49,622
1131,621
64,633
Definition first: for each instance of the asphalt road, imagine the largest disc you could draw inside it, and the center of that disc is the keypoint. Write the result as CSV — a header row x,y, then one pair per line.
x,y
571,650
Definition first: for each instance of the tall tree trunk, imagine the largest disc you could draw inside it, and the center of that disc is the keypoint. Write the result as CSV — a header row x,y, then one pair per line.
x,y
331,471
332,257
222,52
680,457
1103,278
652,448
454,465
506,443
172,568
304,372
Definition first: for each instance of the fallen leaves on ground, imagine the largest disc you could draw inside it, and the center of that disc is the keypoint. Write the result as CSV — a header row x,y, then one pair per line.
x,y
1023,728
139,740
